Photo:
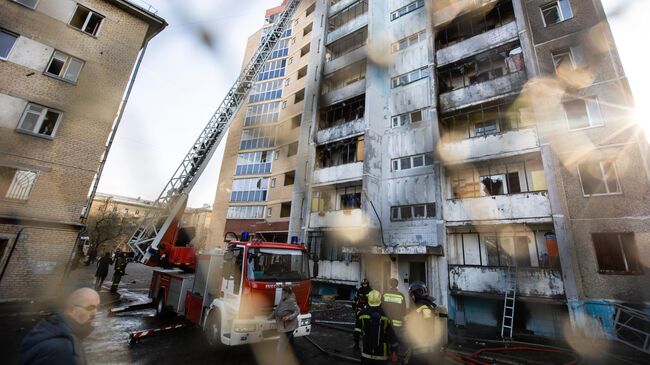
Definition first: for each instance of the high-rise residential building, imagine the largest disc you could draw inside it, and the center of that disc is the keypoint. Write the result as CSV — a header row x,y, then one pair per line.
x,y
484,147
64,69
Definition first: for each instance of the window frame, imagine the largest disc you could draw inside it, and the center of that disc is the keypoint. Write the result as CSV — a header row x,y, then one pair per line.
x,y
24,195
397,81
585,101
13,34
25,5
603,179
406,9
85,24
398,120
396,163
39,122
66,66
396,46
560,51
629,259
562,16
398,209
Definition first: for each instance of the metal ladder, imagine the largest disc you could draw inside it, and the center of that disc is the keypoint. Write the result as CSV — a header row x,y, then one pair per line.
x,y
509,303
631,328
144,241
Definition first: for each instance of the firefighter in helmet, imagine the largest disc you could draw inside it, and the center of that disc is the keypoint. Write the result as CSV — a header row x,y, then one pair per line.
x,y
378,340
421,334
394,304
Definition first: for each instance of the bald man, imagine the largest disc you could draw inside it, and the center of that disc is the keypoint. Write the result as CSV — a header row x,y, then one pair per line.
x,y
57,339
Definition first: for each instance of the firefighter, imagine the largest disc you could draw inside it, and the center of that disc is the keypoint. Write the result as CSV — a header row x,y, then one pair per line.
x,y
361,303
423,339
376,332
395,305
120,270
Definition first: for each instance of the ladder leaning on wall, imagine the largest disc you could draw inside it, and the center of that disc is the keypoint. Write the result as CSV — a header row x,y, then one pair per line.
x,y
508,319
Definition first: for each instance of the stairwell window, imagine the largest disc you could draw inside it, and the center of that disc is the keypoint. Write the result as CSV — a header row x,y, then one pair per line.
x,y
556,12
408,41
406,9
64,67
616,253
599,178
7,41
406,118
406,163
410,77
583,113
86,20
16,184
412,212
40,120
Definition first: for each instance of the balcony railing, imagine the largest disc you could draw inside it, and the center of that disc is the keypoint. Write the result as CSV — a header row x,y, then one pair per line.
x,y
531,282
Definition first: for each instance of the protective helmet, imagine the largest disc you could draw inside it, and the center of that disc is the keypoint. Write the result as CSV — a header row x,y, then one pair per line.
x,y
374,298
418,289
393,283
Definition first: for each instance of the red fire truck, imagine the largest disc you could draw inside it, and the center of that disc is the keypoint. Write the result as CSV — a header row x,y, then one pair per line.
x,y
233,291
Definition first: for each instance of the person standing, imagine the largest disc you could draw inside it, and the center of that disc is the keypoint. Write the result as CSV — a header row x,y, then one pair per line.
x,y
395,304
120,270
378,339
286,319
57,339
421,327
360,303
102,270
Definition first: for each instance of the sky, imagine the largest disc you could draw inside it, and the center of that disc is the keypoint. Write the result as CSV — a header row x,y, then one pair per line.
x,y
189,67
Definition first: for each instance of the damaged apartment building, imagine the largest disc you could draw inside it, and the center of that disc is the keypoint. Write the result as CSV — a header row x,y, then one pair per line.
x,y
483,147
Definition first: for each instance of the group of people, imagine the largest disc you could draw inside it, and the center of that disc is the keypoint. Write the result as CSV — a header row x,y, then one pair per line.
x,y
388,333
103,264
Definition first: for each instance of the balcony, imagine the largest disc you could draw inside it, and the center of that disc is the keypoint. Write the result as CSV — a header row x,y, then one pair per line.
x,y
337,174
489,146
531,282
350,26
349,218
479,43
341,131
345,60
483,91
530,207
337,5
338,272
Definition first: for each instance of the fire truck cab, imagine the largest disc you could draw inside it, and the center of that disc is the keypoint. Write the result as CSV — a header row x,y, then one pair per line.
x,y
234,290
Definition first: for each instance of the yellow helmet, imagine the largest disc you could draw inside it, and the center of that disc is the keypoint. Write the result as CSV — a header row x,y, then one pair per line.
x,y
374,298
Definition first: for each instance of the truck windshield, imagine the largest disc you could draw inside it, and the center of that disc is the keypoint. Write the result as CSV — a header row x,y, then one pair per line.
x,y
272,264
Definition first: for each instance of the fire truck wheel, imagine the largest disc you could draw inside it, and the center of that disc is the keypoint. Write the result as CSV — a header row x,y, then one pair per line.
x,y
213,329
161,308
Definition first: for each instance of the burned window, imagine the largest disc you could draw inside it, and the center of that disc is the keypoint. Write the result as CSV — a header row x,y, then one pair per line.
x,y
498,179
346,44
616,253
413,212
583,113
556,11
405,163
86,20
599,177
343,112
333,199
346,15
340,153
406,118
351,200
476,22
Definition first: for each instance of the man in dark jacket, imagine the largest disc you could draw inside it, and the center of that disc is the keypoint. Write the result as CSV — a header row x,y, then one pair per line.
x,y
102,270
120,270
421,331
57,339
378,340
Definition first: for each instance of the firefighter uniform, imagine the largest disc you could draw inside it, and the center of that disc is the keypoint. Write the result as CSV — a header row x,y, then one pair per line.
x,y
378,339
394,304
425,341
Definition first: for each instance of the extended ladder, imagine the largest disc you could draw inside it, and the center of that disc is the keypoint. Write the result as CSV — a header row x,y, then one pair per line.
x,y
171,200
509,303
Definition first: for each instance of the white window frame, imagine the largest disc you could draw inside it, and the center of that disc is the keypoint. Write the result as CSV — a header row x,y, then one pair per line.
x,y
399,218
25,5
401,120
408,41
593,122
88,17
40,120
602,178
12,46
396,163
557,4
563,51
422,73
67,61
269,212
25,192
406,9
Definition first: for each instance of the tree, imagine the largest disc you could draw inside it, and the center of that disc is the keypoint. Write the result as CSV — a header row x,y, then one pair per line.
x,y
107,225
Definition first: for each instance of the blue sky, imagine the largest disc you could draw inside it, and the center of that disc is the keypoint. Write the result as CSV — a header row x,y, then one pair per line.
x,y
185,74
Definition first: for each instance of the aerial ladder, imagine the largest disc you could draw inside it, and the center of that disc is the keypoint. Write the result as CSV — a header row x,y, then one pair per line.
x,y
161,223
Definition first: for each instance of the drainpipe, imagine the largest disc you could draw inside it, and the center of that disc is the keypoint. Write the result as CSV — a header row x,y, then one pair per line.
x,y
102,163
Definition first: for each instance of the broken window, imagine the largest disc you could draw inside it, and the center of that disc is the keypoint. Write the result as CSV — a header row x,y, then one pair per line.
x,y
285,210
252,163
347,44
479,68
289,177
498,179
583,113
406,9
343,112
15,183
246,212
616,253
406,118
86,20
485,119
340,153
556,11
64,66
474,23
340,79
40,120
7,41
599,177
405,163
412,212
514,248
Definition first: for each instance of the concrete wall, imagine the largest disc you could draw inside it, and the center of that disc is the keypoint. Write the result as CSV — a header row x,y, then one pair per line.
x,y
529,207
483,91
477,44
346,92
338,272
346,130
340,173
531,282
491,146
338,219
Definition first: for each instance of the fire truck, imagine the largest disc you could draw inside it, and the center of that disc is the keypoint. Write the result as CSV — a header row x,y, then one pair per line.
x,y
229,292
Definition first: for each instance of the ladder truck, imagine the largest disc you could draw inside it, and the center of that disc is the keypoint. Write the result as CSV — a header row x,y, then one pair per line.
x,y
228,292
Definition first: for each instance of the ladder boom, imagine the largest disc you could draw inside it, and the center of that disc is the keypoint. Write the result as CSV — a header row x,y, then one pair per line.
x,y
144,241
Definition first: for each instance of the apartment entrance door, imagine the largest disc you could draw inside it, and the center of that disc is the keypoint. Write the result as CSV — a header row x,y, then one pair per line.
x,y
417,272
